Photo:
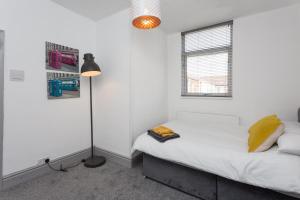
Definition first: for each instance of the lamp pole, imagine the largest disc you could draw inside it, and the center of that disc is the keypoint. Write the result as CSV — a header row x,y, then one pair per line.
x,y
92,123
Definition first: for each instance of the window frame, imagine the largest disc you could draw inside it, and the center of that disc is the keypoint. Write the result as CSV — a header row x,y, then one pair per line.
x,y
211,51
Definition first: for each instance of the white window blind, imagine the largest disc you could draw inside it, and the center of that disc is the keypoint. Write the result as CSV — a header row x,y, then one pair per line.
x,y
207,61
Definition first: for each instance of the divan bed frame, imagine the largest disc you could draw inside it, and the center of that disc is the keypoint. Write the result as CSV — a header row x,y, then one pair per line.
x,y
204,185
201,184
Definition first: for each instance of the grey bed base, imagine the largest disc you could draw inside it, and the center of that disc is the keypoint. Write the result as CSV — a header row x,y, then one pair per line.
x,y
204,185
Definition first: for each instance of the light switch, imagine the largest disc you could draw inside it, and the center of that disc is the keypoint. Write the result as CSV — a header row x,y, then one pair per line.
x,y
16,75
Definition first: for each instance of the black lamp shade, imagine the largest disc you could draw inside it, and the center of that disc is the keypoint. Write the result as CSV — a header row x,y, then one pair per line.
x,y
89,67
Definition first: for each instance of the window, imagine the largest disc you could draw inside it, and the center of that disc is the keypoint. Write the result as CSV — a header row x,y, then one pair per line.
x,y
207,61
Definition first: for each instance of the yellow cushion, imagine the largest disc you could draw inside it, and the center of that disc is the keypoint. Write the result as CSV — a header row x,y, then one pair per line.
x,y
264,133
163,131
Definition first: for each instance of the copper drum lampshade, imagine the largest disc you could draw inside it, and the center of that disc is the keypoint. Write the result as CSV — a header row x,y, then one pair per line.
x,y
146,13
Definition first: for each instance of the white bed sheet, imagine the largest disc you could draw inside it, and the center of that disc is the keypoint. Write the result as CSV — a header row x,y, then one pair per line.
x,y
223,151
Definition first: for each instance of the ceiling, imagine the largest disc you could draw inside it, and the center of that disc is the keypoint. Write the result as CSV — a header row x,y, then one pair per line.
x,y
180,15
95,9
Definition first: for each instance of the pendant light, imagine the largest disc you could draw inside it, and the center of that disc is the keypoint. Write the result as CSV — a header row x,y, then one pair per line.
x,y
146,13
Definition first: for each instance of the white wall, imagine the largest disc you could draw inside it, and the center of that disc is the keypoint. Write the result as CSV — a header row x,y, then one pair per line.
x,y
112,91
149,83
131,93
35,127
265,69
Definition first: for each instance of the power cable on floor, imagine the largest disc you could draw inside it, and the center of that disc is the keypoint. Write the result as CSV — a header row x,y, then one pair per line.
x,y
62,169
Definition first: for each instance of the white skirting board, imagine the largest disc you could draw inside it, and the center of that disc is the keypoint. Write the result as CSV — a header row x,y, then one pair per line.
x,y
69,160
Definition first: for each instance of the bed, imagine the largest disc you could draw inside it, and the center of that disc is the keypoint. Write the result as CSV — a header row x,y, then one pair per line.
x,y
210,161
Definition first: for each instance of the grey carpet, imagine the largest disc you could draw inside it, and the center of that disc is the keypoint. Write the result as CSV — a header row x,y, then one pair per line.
x,y
109,182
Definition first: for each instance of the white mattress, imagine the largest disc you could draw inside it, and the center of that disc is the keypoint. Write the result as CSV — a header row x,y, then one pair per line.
x,y
223,151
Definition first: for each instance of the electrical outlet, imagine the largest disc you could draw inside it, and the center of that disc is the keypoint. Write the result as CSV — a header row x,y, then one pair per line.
x,y
42,161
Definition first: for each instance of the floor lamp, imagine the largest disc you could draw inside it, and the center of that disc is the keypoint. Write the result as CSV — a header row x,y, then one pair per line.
x,y
90,69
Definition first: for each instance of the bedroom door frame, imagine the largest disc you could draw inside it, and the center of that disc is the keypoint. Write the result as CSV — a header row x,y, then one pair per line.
x,y
2,37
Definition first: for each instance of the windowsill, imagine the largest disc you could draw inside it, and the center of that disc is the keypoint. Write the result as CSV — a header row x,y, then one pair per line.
x,y
206,98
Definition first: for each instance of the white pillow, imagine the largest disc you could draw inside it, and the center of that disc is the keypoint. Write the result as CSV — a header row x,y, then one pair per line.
x,y
292,127
289,143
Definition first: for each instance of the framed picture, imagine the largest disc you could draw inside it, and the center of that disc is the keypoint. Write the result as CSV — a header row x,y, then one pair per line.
x,y
63,85
62,58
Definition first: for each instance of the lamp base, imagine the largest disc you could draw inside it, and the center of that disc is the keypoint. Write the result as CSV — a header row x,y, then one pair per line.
x,y
95,161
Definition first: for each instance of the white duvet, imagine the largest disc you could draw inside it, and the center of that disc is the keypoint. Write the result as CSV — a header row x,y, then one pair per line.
x,y
223,151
